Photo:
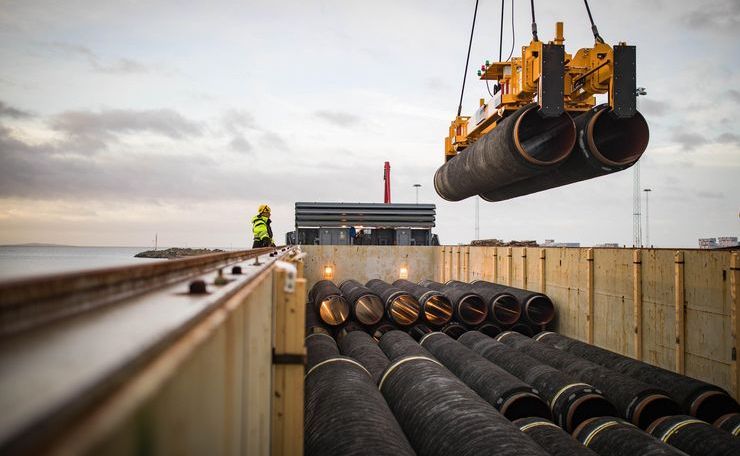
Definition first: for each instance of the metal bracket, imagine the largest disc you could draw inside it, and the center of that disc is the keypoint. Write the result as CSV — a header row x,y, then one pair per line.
x,y
550,87
624,89
288,358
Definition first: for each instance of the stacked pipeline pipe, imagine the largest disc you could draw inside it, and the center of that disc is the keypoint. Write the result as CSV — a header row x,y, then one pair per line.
x,y
367,307
344,411
550,437
638,402
694,437
523,145
329,303
436,309
610,436
700,399
401,307
537,308
605,144
503,308
362,347
439,413
468,308
510,396
729,423
571,400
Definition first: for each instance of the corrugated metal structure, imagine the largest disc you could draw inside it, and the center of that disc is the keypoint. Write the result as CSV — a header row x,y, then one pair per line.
x,y
364,224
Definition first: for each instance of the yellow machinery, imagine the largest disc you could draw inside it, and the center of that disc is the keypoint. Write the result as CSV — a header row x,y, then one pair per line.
x,y
556,80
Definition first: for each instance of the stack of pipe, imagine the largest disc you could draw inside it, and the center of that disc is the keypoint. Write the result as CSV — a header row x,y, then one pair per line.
x,y
527,153
362,347
436,309
609,436
571,400
367,307
694,437
729,423
344,411
638,402
700,399
552,438
469,308
329,303
400,306
439,413
512,397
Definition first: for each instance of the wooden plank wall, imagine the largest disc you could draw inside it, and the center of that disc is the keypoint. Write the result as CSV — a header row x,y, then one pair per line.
x,y
674,309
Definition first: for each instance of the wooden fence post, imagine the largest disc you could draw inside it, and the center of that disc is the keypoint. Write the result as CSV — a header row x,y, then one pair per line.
x,y
543,265
494,278
637,301
510,267
678,260
524,268
442,262
288,359
590,296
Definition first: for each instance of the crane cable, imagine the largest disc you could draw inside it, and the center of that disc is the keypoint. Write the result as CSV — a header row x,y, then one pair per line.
x,y
597,37
497,87
534,23
467,60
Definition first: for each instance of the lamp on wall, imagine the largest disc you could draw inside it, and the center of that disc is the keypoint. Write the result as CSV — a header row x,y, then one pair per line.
x,y
328,273
403,273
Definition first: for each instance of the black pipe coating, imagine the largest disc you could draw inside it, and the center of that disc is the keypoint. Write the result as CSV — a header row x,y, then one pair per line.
x,y
536,307
610,436
397,344
314,323
490,329
319,347
436,309
523,145
346,328
454,329
550,437
638,402
571,401
700,399
366,306
503,307
729,423
381,328
439,413
512,397
329,303
694,437
523,329
344,411
418,331
606,144
468,307
362,347
400,306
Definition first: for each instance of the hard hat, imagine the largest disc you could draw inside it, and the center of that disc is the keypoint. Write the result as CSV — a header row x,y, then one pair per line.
x,y
263,208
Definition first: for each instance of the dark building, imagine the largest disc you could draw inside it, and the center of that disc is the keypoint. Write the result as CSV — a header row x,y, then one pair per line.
x,y
364,224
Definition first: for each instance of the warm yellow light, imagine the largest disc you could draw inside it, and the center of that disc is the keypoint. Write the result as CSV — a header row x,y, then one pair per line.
x,y
403,273
328,272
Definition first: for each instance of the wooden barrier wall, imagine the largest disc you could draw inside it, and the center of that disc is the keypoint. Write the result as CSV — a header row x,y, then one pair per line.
x,y
674,309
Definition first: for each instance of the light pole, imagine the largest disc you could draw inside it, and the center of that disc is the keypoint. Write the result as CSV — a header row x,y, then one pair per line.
x,y
636,216
647,215
417,186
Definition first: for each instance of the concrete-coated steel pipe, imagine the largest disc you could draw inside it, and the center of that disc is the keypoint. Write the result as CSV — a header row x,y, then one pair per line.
x,y
523,145
694,437
512,397
329,303
468,307
436,309
571,401
550,437
700,399
367,307
400,306
610,436
639,402
606,144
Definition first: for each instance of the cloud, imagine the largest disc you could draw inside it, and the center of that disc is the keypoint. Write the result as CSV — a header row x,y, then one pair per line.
x,y
103,125
117,66
689,140
338,118
654,107
13,113
240,144
710,195
274,141
734,95
714,16
235,121
729,138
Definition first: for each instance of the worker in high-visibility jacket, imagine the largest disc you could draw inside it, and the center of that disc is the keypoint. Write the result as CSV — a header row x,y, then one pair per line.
x,y
261,228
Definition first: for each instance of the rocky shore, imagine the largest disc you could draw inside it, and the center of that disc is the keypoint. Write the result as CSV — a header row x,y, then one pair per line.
x,y
175,252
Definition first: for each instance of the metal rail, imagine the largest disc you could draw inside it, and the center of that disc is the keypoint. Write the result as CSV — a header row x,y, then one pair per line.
x,y
70,341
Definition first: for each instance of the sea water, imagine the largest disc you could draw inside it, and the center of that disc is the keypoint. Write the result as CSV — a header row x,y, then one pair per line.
x,y
25,261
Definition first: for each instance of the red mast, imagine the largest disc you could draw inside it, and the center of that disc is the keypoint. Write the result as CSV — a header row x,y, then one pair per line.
x,y
387,179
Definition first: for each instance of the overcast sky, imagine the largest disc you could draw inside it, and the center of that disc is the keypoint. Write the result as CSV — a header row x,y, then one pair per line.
x,y
119,120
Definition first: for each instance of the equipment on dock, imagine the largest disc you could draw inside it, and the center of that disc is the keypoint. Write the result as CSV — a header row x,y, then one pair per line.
x,y
542,127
